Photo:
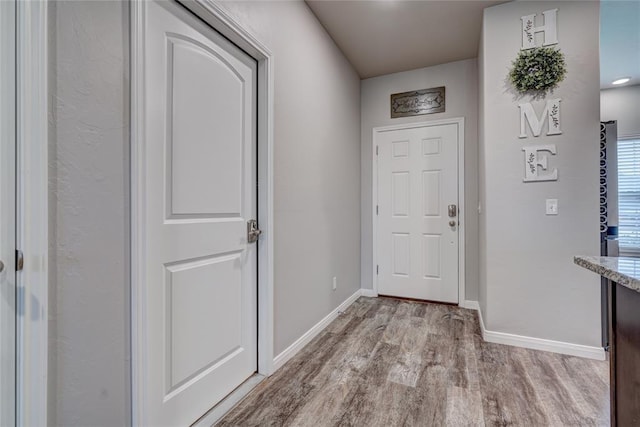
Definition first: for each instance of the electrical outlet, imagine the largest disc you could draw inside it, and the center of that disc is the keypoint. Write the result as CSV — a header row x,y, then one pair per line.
x,y
335,283
552,206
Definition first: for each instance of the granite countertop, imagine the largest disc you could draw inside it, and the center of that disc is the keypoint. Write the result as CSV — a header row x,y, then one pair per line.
x,y
622,270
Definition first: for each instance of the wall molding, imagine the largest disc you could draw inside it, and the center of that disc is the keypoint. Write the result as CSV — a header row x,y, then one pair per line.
x,y
32,175
471,305
570,349
294,348
369,293
514,340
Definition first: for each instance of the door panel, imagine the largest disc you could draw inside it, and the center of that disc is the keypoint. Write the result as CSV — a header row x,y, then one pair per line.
x,y
417,180
7,214
200,179
197,79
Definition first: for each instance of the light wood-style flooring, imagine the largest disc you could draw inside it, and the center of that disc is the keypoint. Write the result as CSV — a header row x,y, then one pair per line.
x,y
387,362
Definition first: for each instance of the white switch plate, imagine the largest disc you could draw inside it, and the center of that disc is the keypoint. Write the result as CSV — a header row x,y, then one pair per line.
x,y
552,206
335,283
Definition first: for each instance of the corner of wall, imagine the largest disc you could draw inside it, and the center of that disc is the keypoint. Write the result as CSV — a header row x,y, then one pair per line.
x,y
482,226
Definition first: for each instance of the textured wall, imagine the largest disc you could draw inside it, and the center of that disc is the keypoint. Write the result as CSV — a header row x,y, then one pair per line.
x,y
461,81
89,179
529,284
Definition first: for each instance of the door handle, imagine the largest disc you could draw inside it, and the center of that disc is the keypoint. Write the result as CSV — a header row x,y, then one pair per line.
x,y
453,211
253,232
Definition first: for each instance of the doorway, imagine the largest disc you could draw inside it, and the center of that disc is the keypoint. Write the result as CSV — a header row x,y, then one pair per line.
x,y
201,286
418,224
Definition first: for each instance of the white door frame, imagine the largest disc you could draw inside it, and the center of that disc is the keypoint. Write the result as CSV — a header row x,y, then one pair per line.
x,y
32,215
214,15
461,218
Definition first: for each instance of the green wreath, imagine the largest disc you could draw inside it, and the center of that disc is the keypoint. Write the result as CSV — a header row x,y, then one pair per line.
x,y
538,70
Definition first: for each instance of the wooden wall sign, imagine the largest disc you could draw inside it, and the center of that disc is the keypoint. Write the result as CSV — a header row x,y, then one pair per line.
x,y
417,102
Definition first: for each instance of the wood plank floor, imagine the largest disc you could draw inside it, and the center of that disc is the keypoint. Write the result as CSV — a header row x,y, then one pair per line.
x,y
386,362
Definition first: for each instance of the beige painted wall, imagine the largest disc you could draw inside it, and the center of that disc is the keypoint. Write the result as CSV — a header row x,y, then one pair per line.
x,y
529,284
461,81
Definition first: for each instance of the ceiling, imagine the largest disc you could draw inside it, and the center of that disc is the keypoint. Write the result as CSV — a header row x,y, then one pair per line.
x,y
388,36
619,41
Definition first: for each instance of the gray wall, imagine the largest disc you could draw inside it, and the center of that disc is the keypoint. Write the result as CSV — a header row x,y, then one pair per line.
x,y
622,104
316,163
317,192
461,82
88,152
529,284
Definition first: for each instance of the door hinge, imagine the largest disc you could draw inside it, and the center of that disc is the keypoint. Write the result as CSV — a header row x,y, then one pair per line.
x,y
377,269
377,210
19,260
376,150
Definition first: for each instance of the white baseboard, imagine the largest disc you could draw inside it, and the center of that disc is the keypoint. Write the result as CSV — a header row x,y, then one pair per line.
x,y
369,293
294,348
472,305
570,349
533,343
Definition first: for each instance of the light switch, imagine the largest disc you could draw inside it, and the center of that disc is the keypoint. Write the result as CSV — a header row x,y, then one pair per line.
x,y
552,206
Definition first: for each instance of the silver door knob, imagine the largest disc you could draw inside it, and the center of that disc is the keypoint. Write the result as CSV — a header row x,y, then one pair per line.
x,y
452,223
253,232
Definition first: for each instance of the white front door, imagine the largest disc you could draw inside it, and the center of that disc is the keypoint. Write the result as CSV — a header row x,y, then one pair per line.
x,y
417,239
7,214
200,272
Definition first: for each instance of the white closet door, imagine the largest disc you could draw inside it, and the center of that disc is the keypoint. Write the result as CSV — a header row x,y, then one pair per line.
x,y
200,179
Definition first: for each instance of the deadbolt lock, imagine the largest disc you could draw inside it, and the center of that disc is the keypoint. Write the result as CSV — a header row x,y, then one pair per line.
x,y
453,211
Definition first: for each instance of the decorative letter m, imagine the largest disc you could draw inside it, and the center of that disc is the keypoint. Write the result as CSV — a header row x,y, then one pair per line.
x,y
551,111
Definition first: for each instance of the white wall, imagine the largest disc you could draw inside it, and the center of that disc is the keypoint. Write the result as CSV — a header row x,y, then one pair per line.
x,y
316,163
622,104
89,156
529,284
461,81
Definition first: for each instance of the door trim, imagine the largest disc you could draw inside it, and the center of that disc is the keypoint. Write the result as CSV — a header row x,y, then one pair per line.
x,y
32,215
214,15
459,121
